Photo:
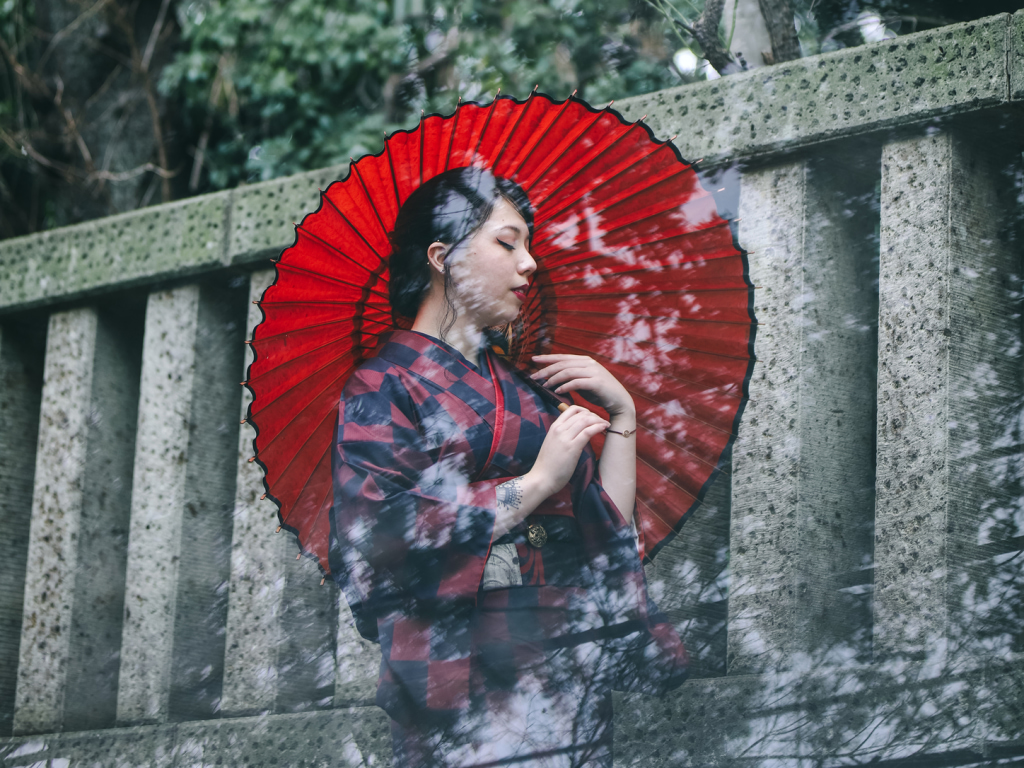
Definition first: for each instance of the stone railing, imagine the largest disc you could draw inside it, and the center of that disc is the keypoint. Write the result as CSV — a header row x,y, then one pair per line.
x,y
150,616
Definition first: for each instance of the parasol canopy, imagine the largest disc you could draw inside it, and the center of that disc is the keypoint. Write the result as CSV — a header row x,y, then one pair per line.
x,y
636,268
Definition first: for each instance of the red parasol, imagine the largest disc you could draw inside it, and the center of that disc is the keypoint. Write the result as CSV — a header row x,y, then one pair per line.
x,y
635,268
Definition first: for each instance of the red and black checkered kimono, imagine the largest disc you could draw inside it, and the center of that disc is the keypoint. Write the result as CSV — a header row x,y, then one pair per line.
x,y
473,677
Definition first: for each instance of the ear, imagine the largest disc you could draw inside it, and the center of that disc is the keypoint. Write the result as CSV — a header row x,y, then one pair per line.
x,y
436,254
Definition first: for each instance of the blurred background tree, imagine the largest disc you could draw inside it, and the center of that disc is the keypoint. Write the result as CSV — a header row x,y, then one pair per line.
x,y
111,105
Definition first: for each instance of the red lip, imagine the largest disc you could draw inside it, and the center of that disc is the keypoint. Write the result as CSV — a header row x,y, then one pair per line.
x,y
521,292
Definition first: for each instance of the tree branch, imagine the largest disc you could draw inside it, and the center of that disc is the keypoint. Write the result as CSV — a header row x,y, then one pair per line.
x,y
778,17
163,173
705,29
147,57
67,31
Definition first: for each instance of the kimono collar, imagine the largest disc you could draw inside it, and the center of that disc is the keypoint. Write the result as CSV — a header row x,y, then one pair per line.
x,y
433,360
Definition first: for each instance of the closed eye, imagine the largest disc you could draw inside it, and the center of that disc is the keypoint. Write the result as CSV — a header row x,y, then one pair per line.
x,y
507,246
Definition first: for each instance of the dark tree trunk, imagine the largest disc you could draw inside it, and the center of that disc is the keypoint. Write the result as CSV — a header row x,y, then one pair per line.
x,y
705,29
778,16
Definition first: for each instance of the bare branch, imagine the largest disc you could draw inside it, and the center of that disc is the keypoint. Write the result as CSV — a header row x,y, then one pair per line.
x,y
60,35
28,79
163,173
25,148
147,57
76,135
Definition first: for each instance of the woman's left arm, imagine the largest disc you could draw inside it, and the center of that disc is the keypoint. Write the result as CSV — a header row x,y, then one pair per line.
x,y
617,468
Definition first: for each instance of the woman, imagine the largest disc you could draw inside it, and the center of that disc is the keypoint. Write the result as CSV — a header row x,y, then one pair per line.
x,y
475,533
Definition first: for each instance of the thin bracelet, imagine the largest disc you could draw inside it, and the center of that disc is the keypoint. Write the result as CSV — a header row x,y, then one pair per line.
x,y
624,433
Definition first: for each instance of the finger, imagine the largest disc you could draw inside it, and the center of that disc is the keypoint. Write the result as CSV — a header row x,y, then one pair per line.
x,y
582,424
568,414
571,421
588,434
542,359
559,364
552,369
566,376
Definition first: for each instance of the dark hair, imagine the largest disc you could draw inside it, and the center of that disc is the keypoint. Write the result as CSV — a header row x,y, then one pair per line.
x,y
449,209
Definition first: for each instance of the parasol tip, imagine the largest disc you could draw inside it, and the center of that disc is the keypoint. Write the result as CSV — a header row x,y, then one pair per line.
x,y
252,459
574,92
263,497
610,104
323,580
298,556
278,529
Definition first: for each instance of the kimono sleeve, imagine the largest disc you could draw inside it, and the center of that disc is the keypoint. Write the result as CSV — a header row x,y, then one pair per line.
x,y
407,521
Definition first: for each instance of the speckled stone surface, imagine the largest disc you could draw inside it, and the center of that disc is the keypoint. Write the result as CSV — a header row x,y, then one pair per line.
x,y
339,738
802,471
931,715
766,458
158,495
258,558
913,78
176,605
56,520
1016,56
290,641
947,375
130,249
91,691
357,663
21,364
263,215
957,68
151,747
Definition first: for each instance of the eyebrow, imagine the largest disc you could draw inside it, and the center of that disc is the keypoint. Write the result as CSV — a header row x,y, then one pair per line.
x,y
513,227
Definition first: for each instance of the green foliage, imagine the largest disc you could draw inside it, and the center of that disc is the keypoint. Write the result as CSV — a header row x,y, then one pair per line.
x,y
279,87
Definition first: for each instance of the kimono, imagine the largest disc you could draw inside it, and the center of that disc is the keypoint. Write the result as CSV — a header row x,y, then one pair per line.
x,y
474,676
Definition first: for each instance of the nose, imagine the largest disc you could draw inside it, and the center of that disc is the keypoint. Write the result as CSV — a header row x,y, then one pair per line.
x,y
527,264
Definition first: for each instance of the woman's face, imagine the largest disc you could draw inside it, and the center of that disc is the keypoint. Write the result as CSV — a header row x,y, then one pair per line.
x,y
492,271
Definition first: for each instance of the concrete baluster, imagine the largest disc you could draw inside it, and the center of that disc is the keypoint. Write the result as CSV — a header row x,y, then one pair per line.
x,y
281,622
948,377
178,554
802,482
281,637
21,382
357,662
258,561
74,581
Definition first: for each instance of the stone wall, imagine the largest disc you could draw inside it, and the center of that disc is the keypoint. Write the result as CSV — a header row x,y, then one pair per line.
x,y
850,591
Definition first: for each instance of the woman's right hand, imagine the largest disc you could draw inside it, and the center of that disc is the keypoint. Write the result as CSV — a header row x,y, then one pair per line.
x,y
560,452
